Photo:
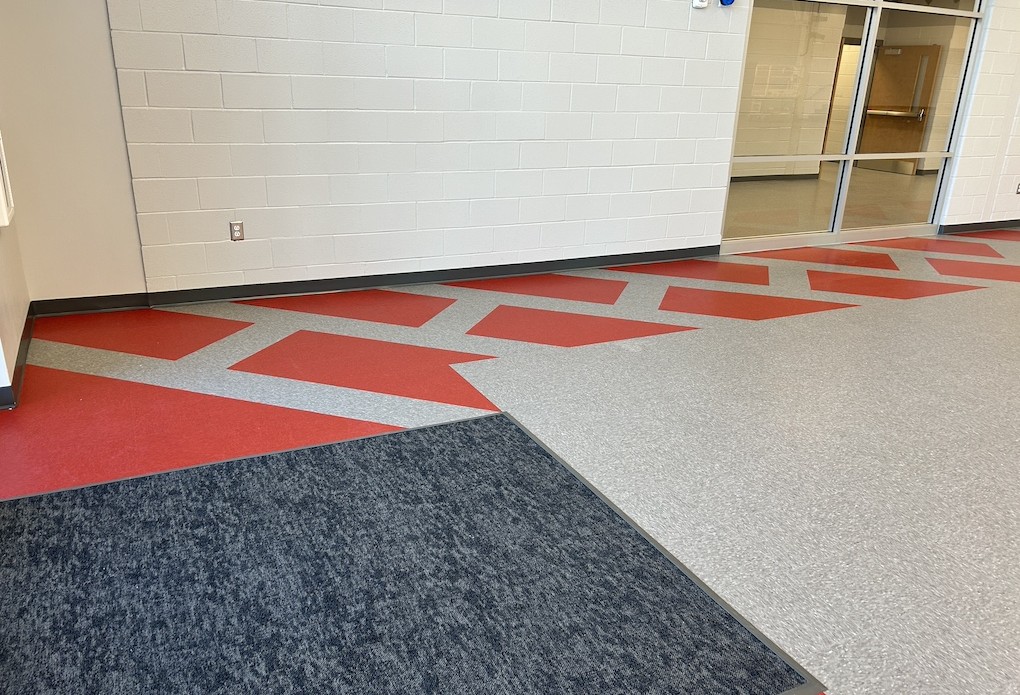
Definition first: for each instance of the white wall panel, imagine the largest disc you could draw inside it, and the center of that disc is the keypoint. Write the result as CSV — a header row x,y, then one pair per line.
x,y
418,135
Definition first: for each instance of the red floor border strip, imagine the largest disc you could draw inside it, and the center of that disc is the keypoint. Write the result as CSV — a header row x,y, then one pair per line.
x,y
72,430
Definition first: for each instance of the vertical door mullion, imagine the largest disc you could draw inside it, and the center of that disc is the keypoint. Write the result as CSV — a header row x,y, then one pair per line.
x,y
938,198
869,43
965,88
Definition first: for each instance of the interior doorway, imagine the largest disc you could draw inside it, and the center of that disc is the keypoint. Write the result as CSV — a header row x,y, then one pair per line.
x,y
899,101
845,117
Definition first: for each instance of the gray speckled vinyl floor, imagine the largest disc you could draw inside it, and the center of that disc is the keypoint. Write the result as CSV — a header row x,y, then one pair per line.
x,y
849,481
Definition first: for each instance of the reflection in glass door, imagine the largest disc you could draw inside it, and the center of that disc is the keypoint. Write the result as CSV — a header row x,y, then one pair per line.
x,y
916,77
845,117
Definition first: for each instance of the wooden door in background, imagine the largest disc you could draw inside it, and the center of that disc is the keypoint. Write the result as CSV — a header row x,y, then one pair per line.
x,y
896,120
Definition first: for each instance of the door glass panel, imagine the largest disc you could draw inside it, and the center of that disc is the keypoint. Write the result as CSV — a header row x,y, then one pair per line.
x,y
796,62
888,192
780,198
915,83
803,88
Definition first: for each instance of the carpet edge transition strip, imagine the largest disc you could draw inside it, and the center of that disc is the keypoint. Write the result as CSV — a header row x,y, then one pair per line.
x,y
811,685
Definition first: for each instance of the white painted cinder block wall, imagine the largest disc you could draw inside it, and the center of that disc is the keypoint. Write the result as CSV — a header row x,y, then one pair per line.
x,y
359,137
987,171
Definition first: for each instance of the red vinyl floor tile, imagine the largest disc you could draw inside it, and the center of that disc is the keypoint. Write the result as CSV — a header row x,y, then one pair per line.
x,y
369,365
738,305
71,430
697,269
570,287
994,234
962,248
875,286
830,256
564,329
379,306
976,270
168,335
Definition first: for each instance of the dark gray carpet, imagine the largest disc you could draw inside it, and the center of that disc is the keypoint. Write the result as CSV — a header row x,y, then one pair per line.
x,y
460,558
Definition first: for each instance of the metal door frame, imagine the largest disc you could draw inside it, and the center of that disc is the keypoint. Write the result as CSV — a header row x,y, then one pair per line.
x,y
869,45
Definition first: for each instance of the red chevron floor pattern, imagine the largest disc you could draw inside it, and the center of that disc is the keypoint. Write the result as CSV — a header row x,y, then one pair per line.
x,y
697,269
396,364
962,248
994,234
569,287
830,256
369,365
165,335
379,306
564,329
876,286
74,429
738,305
976,270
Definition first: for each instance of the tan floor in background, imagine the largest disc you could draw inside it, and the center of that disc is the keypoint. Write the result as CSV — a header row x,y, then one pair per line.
x,y
876,199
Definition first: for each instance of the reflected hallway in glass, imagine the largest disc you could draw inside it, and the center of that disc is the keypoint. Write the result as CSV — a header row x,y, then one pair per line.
x,y
773,206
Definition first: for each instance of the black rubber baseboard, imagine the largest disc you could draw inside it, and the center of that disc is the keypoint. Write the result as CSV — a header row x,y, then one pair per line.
x,y
84,305
77,305
977,227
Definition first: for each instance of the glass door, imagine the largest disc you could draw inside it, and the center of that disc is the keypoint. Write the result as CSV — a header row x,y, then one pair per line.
x,y
846,116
